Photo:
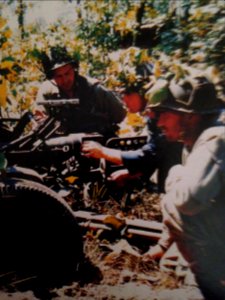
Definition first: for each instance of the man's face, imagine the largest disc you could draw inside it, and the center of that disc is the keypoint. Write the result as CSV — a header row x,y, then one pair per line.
x,y
170,123
134,102
180,126
64,77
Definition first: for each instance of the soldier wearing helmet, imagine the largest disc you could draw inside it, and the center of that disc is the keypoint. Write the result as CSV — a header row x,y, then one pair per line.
x,y
193,206
99,110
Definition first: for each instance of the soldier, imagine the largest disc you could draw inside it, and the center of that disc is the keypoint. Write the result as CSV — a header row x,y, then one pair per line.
x,y
99,109
157,154
193,206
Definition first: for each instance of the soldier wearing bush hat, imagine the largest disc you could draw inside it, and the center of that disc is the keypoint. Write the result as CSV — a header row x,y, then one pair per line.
x,y
99,109
193,206
191,95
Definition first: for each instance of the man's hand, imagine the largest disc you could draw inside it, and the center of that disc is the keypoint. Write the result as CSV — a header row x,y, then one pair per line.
x,y
92,149
39,115
95,150
155,252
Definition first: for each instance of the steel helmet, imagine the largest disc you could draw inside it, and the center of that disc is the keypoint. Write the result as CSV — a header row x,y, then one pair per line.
x,y
58,57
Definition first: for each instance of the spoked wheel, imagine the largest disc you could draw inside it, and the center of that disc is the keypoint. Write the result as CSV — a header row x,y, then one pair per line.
x,y
39,233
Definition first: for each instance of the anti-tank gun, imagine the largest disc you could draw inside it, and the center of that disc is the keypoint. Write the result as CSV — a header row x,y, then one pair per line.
x,y
54,155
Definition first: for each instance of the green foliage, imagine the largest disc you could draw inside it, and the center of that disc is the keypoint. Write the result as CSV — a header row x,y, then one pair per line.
x,y
34,53
173,34
207,29
161,6
3,39
21,10
98,32
185,31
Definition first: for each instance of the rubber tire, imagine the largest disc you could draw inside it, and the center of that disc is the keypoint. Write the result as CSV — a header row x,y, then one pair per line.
x,y
39,233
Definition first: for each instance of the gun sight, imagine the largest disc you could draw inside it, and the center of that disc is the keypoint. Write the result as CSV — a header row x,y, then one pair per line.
x,y
59,102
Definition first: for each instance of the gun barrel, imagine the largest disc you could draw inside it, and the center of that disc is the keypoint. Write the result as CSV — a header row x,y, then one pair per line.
x,y
147,229
59,102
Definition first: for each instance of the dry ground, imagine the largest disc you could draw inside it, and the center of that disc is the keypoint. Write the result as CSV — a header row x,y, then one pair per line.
x,y
118,256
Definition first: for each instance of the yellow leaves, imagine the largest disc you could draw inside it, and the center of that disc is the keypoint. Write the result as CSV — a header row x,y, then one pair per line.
x,y
5,45
179,71
33,90
4,42
71,179
132,53
131,76
126,23
121,26
134,124
197,15
26,103
144,57
124,132
11,77
2,22
3,92
30,95
7,64
135,119
115,68
131,15
84,67
117,72
113,82
7,33
157,69
151,12
10,69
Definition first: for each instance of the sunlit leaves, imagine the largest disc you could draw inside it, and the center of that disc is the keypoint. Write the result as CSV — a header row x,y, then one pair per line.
x,y
134,124
122,69
188,32
2,22
125,23
6,33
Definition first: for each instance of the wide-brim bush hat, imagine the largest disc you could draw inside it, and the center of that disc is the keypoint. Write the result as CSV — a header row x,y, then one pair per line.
x,y
190,95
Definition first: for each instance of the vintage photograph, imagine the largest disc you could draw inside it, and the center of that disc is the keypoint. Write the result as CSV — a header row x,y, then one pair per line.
x,y
112,149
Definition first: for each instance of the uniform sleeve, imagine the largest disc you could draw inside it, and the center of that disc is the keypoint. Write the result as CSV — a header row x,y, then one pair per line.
x,y
166,239
110,104
143,160
195,186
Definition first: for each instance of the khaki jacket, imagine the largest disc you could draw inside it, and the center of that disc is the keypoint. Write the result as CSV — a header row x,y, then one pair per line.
x,y
194,204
